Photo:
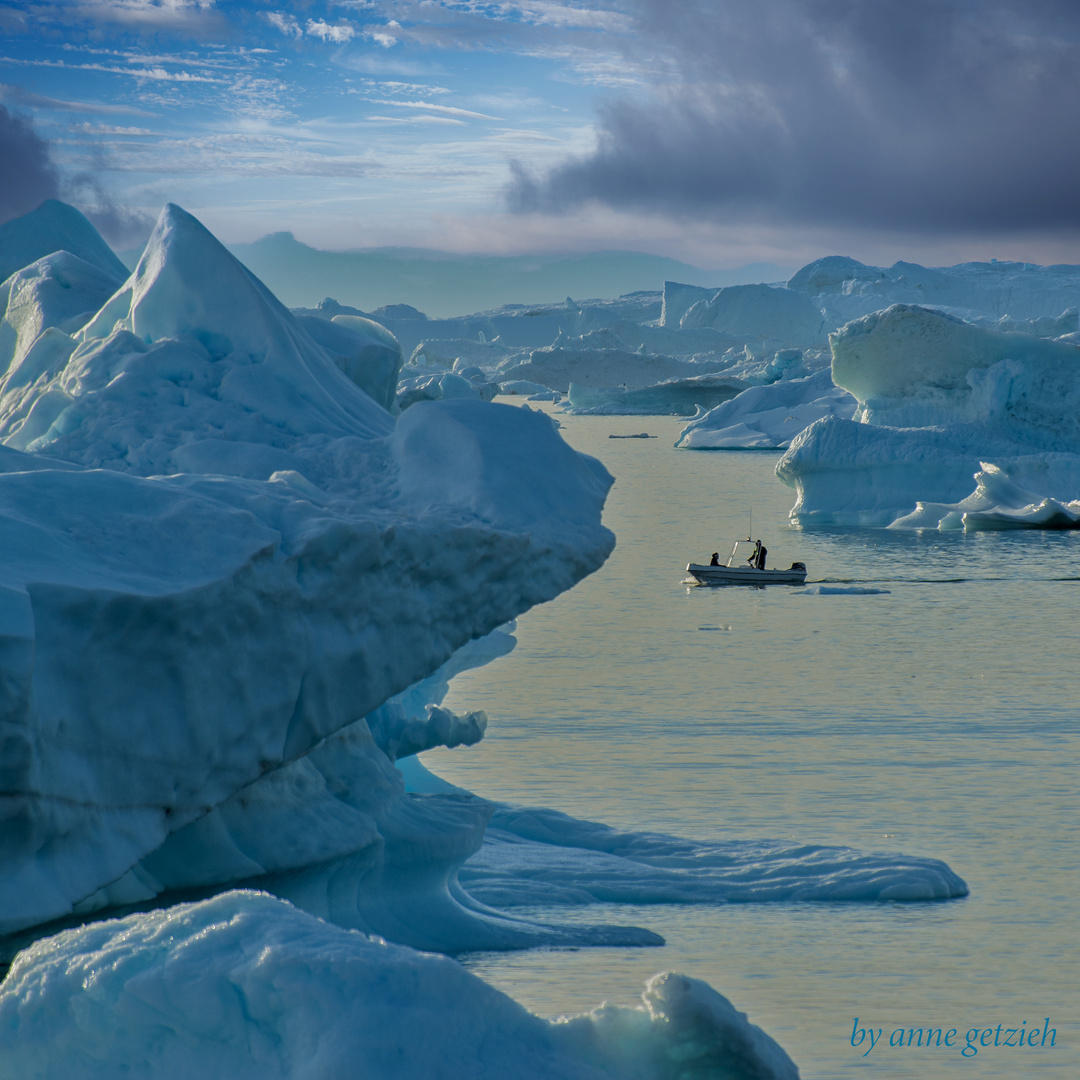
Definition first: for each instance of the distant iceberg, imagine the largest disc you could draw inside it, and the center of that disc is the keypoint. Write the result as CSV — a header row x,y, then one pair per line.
x,y
767,417
673,397
937,397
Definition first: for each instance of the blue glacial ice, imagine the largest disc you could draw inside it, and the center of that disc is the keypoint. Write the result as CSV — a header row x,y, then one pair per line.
x,y
957,426
246,986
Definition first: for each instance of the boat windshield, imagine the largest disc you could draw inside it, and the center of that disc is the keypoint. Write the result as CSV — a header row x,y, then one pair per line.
x,y
742,553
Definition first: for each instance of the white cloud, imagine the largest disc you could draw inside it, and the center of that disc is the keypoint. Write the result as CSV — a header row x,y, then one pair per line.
x,y
283,22
338,33
425,119
445,110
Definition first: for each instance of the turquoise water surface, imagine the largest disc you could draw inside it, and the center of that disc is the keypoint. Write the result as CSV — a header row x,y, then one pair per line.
x,y
939,718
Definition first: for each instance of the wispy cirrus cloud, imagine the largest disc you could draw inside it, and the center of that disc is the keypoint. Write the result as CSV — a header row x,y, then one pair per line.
x,y
17,95
431,107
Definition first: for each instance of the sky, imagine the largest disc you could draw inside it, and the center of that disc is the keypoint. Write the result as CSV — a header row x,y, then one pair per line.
x,y
719,132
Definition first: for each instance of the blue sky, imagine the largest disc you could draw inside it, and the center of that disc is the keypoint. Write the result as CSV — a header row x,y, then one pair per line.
x,y
716,132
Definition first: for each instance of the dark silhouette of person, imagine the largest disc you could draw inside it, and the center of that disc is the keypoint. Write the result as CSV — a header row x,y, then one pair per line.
x,y
762,551
715,560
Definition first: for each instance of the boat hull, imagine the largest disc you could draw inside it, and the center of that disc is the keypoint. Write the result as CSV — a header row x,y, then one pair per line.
x,y
745,575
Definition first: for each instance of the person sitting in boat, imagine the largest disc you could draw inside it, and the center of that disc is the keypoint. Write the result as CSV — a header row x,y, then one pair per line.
x,y
715,560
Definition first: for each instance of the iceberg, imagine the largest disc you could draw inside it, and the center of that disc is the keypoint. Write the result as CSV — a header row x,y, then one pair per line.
x,y
767,417
557,366
776,315
542,857
246,986
678,397
220,552
937,397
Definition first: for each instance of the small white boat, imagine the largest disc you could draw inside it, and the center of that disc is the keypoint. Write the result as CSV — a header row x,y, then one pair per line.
x,y
746,566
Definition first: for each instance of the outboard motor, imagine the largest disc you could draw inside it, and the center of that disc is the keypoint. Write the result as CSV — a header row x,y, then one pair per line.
x,y
798,566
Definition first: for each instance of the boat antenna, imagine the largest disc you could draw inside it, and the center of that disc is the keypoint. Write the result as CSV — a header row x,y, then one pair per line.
x,y
750,534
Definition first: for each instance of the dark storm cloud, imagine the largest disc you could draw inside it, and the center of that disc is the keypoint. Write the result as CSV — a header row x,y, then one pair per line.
x,y
909,114
27,175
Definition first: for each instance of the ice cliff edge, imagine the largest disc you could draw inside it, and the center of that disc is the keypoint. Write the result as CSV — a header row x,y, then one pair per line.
x,y
219,552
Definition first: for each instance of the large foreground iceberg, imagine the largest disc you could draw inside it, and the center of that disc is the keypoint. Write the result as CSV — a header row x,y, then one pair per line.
x,y
246,986
939,401
220,552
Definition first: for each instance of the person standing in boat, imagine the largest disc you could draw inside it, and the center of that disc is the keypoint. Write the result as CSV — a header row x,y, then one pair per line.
x,y
762,551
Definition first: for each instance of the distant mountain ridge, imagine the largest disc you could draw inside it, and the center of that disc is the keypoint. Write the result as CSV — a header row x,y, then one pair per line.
x,y
442,284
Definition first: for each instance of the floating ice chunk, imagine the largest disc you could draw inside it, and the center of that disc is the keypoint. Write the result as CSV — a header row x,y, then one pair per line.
x,y
245,986
841,590
447,386
765,417
524,388
997,503
534,856
55,226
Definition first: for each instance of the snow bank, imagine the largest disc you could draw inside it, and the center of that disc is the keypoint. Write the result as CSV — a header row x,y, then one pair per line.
x,y
936,398
219,553
244,985
532,856
767,417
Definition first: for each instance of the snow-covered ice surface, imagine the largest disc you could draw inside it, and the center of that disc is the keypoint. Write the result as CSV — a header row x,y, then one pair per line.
x,y
244,985
937,398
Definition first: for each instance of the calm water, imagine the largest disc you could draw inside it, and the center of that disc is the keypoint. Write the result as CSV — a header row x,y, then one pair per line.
x,y
939,719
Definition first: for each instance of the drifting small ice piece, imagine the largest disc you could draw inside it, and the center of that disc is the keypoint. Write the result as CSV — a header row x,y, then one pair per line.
x,y
675,397
245,986
937,396
997,503
842,590
767,417
534,856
